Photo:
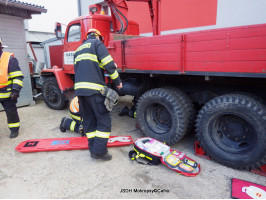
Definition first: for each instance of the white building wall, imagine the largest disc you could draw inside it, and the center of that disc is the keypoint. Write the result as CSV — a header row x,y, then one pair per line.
x,y
13,34
240,12
232,13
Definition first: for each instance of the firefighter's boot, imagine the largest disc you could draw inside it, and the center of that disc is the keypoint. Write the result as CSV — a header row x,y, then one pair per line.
x,y
62,125
124,111
14,134
132,112
103,157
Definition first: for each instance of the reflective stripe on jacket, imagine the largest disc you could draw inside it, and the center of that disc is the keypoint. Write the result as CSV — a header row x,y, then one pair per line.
x,y
74,105
91,59
74,109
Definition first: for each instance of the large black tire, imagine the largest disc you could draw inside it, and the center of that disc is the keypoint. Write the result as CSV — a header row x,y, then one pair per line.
x,y
232,130
52,94
188,106
161,115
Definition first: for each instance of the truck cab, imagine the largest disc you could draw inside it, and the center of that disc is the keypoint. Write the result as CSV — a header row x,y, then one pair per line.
x,y
58,81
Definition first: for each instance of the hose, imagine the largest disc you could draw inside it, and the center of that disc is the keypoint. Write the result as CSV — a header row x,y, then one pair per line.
x,y
113,7
115,10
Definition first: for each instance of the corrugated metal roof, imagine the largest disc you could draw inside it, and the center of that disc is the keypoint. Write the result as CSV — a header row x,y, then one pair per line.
x,y
23,5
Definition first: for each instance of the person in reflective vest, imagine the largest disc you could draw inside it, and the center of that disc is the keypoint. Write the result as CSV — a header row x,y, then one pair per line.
x,y
73,124
91,60
10,85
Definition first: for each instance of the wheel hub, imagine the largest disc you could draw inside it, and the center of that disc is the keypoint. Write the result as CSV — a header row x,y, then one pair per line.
x,y
162,115
51,94
158,118
235,129
233,132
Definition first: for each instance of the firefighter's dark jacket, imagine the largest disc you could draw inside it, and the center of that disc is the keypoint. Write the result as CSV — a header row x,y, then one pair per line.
x,y
15,78
91,60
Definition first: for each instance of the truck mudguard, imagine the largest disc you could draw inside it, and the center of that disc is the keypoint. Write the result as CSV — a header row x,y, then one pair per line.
x,y
64,80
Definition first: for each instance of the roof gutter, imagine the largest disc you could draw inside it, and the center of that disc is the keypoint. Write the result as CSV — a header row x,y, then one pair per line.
x,y
24,6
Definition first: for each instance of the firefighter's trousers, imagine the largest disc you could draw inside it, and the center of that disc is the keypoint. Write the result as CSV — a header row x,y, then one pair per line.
x,y
12,114
72,125
96,122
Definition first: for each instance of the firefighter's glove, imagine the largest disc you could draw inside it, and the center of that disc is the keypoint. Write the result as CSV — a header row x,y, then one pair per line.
x,y
110,94
111,97
14,95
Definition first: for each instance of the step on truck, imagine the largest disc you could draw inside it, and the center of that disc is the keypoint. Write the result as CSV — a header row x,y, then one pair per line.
x,y
210,82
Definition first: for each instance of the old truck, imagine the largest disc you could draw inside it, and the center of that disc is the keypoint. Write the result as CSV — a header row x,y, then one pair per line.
x,y
212,82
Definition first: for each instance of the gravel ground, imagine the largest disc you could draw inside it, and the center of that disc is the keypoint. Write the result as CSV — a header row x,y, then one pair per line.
x,y
73,174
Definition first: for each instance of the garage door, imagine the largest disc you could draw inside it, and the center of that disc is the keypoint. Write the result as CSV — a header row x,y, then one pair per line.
x,y
13,34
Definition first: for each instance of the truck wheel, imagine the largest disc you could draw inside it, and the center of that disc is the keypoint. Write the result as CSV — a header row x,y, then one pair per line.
x,y
52,94
161,115
188,106
232,129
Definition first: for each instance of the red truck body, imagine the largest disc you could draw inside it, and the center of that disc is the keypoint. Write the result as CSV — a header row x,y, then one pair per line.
x,y
235,52
238,51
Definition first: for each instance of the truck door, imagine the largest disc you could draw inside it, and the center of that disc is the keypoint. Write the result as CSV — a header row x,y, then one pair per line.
x,y
73,39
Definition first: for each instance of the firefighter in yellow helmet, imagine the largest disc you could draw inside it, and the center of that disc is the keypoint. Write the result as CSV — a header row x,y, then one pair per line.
x,y
10,85
73,124
91,60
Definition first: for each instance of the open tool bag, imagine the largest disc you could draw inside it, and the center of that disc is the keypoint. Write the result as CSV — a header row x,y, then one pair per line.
x,y
156,152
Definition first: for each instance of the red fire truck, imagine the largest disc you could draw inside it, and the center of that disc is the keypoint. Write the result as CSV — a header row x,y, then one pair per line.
x,y
213,80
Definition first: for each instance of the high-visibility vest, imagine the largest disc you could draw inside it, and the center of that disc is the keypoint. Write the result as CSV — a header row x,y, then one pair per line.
x,y
4,60
74,105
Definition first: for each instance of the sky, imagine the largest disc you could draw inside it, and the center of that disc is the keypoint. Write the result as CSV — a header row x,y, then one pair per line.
x,y
62,11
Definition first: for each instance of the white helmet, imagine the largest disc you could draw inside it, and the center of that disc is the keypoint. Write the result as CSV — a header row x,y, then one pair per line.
x,y
1,42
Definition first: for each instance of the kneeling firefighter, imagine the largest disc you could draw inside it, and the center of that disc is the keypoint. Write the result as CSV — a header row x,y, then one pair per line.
x,y
91,60
73,124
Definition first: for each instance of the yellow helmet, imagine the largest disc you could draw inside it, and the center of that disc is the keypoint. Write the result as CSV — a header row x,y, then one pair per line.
x,y
95,32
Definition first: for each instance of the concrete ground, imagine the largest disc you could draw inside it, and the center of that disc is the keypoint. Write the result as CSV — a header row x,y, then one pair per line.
x,y
73,174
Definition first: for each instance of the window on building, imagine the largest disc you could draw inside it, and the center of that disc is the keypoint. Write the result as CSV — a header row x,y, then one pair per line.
x,y
74,33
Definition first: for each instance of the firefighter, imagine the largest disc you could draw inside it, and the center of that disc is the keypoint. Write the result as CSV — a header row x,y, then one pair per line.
x,y
91,59
10,85
73,124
